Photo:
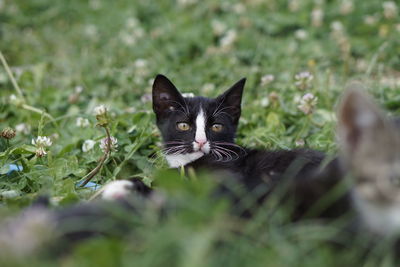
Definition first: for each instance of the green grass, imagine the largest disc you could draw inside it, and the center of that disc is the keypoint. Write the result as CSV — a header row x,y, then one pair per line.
x,y
113,50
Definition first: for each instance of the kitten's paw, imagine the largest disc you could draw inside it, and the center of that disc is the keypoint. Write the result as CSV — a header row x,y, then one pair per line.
x,y
118,189
121,189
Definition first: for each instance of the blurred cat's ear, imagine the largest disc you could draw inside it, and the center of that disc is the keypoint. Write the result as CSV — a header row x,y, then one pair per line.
x,y
232,98
165,95
363,129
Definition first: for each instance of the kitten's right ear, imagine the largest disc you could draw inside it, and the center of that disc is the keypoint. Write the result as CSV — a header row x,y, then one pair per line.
x,y
165,95
232,99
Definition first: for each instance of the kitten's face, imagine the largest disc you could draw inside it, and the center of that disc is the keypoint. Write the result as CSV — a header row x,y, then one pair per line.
x,y
370,147
371,152
192,127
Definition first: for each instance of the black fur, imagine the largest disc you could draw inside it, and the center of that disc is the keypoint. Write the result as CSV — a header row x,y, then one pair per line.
x,y
252,169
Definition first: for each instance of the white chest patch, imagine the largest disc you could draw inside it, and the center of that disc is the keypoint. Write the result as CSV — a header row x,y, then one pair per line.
x,y
176,161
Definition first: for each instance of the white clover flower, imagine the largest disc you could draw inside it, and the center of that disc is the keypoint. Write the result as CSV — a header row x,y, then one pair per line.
x,y
95,4
132,23
42,141
78,89
127,38
188,95
346,7
208,87
132,32
317,17
91,31
264,102
218,27
138,32
339,35
255,69
239,8
100,110
184,3
273,96
13,99
131,110
267,79
301,34
308,103
297,98
304,75
370,20
88,145
104,143
389,9
82,122
337,26
23,128
140,63
362,65
299,143
40,152
10,194
303,80
141,69
294,5
228,39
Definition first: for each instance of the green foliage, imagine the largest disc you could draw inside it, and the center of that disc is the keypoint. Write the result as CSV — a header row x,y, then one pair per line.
x,y
70,56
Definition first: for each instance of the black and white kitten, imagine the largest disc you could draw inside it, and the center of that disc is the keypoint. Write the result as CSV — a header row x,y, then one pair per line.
x,y
194,127
199,132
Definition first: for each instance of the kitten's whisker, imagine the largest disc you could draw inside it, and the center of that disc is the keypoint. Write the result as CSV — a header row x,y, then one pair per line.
x,y
217,109
181,151
175,142
172,148
220,111
185,109
175,149
216,144
221,153
228,150
220,157
231,144
224,153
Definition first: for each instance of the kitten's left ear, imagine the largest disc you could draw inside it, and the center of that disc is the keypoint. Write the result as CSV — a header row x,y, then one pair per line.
x,y
232,99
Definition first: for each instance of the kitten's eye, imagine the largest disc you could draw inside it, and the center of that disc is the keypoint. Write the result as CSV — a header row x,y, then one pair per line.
x,y
217,127
183,126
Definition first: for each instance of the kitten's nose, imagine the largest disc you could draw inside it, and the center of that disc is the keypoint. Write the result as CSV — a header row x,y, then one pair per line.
x,y
201,142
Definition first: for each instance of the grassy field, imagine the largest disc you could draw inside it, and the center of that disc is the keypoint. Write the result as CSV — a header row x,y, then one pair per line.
x,y
67,57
